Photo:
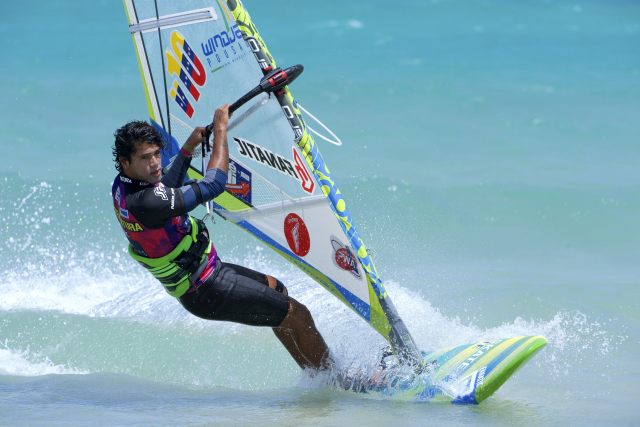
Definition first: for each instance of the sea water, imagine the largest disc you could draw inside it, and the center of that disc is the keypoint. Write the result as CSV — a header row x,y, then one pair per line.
x,y
490,162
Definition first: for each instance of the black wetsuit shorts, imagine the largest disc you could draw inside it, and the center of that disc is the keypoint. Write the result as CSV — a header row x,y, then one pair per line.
x,y
237,294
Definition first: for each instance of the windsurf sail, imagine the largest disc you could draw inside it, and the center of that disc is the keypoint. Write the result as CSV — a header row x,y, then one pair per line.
x,y
197,55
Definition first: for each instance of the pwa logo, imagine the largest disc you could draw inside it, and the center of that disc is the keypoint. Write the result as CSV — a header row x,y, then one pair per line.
x,y
183,63
344,258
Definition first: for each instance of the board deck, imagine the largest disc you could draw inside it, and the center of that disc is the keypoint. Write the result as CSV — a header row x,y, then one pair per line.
x,y
464,374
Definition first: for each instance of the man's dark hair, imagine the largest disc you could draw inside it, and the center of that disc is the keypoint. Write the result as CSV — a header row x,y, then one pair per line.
x,y
129,136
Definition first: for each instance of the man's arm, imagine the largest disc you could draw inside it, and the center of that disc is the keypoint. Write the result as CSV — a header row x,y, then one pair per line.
x,y
215,178
176,172
153,207
220,157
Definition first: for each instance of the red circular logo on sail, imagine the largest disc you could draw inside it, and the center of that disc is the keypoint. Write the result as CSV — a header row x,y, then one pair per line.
x,y
344,259
297,235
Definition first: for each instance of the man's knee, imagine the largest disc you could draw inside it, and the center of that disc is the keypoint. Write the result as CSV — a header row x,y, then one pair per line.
x,y
298,315
277,285
299,311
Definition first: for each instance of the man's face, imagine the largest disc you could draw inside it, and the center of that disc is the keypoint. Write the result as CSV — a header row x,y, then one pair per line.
x,y
145,163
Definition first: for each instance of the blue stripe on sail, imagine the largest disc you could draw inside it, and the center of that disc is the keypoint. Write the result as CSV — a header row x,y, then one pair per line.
x,y
359,306
171,146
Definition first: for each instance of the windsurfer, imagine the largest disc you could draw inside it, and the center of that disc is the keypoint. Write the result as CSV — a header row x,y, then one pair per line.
x,y
153,210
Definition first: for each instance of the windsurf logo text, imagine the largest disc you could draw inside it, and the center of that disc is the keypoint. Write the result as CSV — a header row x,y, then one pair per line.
x,y
184,64
277,162
223,46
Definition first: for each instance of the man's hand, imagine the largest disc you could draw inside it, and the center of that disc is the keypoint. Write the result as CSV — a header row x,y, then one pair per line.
x,y
220,157
194,139
221,119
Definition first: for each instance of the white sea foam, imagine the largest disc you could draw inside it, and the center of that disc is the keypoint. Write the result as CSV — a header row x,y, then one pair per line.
x,y
74,290
573,338
103,282
137,296
24,363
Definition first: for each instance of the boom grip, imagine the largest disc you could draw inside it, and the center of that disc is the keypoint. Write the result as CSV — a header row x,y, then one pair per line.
x,y
273,81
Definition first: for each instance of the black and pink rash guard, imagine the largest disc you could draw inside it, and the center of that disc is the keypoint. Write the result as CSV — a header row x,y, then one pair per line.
x,y
155,217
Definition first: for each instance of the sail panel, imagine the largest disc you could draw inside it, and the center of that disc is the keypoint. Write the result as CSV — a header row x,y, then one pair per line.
x,y
279,188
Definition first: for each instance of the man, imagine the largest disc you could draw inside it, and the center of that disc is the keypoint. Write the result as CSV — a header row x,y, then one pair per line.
x,y
177,249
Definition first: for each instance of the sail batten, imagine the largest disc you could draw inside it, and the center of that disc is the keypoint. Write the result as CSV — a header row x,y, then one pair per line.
x,y
174,20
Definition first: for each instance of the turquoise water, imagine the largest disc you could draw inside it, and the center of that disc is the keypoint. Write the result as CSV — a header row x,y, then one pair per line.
x,y
491,163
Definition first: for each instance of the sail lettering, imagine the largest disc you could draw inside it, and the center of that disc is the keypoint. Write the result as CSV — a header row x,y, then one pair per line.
x,y
243,147
221,40
267,158
305,178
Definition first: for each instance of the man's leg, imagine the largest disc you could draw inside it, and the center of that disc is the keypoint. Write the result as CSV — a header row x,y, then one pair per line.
x,y
238,294
299,335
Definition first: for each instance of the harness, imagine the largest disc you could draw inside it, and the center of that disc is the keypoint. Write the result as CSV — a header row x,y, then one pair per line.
x,y
184,264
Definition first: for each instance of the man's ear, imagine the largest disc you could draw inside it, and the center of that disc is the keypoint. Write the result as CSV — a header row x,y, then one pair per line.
x,y
124,162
